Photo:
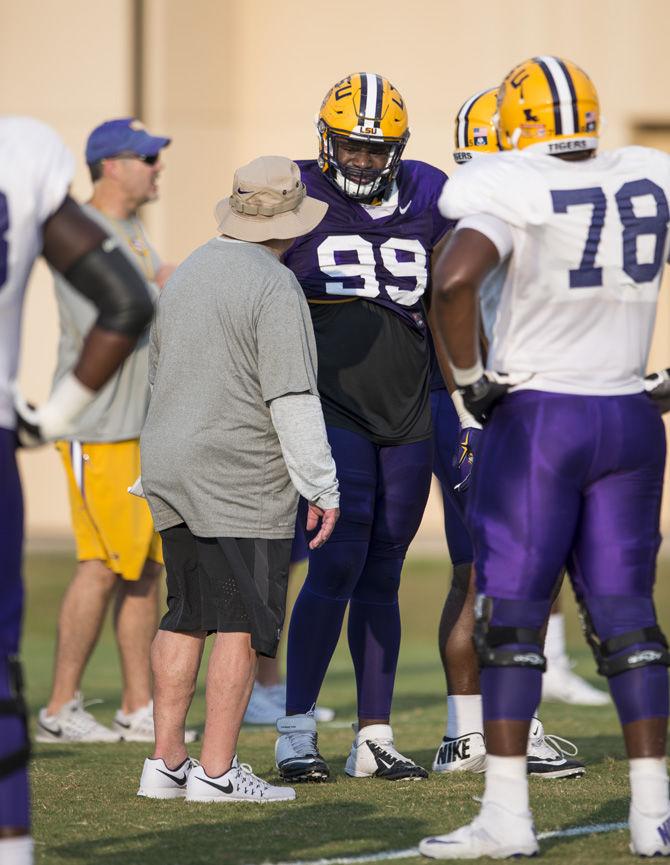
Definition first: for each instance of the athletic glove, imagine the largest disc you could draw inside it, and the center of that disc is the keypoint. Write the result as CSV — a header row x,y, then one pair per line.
x,y
467,443
53,420
480,397
657,386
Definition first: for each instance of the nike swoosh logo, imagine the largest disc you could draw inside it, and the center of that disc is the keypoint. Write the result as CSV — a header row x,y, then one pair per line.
x,y
122,724
57,732
181,781
405,208
227,789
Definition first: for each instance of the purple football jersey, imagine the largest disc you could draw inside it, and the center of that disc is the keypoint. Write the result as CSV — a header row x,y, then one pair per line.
x,y
382,258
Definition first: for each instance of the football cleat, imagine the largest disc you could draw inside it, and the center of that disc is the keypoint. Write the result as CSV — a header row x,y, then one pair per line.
x,y
546,755
277,693
560,684
548,104
463,754
366,110
160,782
296,750
495,832
649,834
374,756
72,723
475,128
138,726
238,784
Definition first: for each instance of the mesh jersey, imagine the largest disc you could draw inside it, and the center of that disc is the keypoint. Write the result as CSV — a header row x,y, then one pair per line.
x,y
36,170
590,238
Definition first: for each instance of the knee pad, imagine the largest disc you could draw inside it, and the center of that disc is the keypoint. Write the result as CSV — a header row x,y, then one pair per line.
x,y
635,647
500,645
15,705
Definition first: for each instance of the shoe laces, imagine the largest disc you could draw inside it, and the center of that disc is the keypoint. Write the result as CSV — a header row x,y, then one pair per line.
x,y
552,746
303,742
78,718
247,782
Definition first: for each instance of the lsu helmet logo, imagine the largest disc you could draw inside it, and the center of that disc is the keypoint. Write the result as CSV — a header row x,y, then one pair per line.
x,y
475,131
363,109
548,103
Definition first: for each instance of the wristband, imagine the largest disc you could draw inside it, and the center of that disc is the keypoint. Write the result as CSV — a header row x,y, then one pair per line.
x,y
469,375
68,399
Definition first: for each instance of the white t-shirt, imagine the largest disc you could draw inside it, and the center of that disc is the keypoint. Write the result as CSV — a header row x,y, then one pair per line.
x,y
589,242
36,170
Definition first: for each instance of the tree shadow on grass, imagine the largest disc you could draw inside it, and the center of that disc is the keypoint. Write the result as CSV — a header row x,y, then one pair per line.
x,y
235,837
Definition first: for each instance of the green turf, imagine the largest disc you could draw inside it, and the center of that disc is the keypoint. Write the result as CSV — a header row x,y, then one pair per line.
x,y
85,809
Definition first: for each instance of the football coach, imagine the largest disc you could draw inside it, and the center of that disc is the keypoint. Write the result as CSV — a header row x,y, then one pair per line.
x,y
233,433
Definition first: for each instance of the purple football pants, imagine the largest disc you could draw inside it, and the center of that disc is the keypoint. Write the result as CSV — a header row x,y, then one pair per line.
x,y
383,493
14,796
563,480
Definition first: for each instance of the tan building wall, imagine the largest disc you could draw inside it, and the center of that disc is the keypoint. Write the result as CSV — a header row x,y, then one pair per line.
x,y
232,79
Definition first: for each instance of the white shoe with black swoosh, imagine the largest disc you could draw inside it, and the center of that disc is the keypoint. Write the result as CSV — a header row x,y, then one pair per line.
x,y
462,754
158,781
238,784
374,755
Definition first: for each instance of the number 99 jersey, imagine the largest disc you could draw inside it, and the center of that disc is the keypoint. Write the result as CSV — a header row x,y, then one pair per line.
x,y
589,240
373,357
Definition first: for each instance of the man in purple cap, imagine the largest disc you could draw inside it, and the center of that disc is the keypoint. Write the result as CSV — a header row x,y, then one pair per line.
x,y
118,552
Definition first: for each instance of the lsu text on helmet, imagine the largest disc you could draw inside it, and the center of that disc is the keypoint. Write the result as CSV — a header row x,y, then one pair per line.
x,y
475,131
549,104
366,111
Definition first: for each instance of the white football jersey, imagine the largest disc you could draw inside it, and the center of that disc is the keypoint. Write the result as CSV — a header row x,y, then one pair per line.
x,y
590,241
36,170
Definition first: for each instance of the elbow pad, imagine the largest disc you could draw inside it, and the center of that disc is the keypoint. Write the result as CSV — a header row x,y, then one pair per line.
x,y
106,277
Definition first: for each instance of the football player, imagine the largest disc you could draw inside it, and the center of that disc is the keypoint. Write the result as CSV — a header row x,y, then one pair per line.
x,y
455,430
38,216
364,271
561,479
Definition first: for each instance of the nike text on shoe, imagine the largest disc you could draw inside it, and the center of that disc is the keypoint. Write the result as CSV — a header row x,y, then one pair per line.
x,y
546,755
464,754
138,726
160,782
373,755
238,784
649,834
561,684
72,723
495,832
296,750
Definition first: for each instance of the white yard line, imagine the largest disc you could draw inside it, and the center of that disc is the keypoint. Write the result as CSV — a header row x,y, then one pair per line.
x,y
410,852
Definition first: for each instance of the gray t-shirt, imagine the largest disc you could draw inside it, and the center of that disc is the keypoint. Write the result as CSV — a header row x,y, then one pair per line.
x,y
118,411
232,332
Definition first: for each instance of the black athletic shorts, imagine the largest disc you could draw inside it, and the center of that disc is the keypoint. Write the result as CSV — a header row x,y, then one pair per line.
x,y
226,584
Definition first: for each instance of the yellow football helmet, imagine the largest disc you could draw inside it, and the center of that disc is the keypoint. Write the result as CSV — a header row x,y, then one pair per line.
x,y
367,108
550,104
475,128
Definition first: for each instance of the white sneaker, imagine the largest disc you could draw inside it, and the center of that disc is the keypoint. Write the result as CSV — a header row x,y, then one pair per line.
x,y
238,784
373,755
72,723
463,754
546,754
559,683
495,832
159,782
138,726
649,835
277,693
297,751
263,708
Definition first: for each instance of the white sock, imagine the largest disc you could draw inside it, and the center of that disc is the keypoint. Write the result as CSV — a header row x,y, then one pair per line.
x,y
464,715
16,851
507,783
554,644
649,785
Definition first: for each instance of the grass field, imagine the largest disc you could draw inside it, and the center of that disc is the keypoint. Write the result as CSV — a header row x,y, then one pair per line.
x,y
85,809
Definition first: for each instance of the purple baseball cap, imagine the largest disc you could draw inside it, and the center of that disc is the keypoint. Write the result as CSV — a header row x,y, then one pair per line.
x,y
120,136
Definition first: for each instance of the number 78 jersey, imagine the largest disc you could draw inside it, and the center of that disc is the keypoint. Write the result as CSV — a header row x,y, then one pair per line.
x,y
589,240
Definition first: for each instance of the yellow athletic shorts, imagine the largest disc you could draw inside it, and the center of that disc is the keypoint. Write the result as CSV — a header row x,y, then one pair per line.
x,y
109,523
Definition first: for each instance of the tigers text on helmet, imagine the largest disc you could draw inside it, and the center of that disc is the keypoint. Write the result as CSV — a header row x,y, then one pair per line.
x,y
475,131
363,110
548,104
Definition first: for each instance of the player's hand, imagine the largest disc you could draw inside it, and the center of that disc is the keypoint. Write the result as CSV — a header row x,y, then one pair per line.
x,y
328,517
54,419
481,396
657,386
465,456
28,429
